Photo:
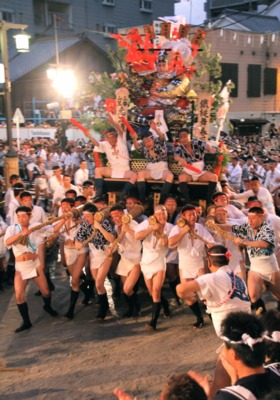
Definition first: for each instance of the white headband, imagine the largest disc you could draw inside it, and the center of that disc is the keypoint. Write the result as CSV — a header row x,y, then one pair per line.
x,y
23,213
245,339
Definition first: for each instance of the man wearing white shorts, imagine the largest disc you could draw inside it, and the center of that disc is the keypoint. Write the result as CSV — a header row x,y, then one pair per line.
x,y
154,150
190,154
98,248
259,238
28,262
115,148
153,261
129,250
223,291
191,253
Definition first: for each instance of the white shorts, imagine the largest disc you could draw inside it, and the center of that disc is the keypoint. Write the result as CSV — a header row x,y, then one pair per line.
x,y
151,269
157,169
190,266
41,182
97,257
265,266
72,254
195,175
27,269
118,173
125,266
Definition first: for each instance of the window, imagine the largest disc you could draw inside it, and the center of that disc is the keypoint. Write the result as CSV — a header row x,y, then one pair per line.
x,y
108,2
146,5
230,72
44,11
254,80
108,29
6,15
270,81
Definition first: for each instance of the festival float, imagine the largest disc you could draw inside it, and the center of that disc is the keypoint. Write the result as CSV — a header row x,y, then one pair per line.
x,y
166,73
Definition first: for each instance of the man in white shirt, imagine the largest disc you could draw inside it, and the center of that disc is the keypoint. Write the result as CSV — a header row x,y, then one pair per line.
x,y
272,180
234,173
81,174
260,192
115,147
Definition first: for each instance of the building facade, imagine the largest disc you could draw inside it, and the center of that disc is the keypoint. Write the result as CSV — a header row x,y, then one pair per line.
x,y
54,24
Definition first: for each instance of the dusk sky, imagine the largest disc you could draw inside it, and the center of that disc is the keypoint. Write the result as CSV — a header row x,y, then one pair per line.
x,y
192,10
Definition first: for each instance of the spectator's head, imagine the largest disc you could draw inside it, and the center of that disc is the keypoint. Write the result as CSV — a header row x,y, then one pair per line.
x,y
56,170
83,164
255,184
26,199
14,178
170,205
182,387
88,188
66,180
243,336
71,193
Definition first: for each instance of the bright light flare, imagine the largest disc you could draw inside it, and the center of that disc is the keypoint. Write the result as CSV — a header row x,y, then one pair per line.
x,y
63,81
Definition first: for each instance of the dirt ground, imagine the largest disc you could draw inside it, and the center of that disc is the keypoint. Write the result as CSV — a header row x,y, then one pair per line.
x,y
87,359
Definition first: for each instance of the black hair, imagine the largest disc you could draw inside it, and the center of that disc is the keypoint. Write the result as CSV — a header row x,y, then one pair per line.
x,y
81,198
117,207
234,326
187,207
252,198
183,387
25,194
183,130
13,177
90,208
87,183
218,261
217,194
256,210
28,210
271,323
111,130
68,200
71,191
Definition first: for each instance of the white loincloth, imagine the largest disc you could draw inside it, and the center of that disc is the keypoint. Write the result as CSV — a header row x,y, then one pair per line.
x,y
265,266
157,169
72,254
97,257
27,269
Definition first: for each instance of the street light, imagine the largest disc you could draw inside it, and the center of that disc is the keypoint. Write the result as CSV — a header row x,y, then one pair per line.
x,y
11,159
62,76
